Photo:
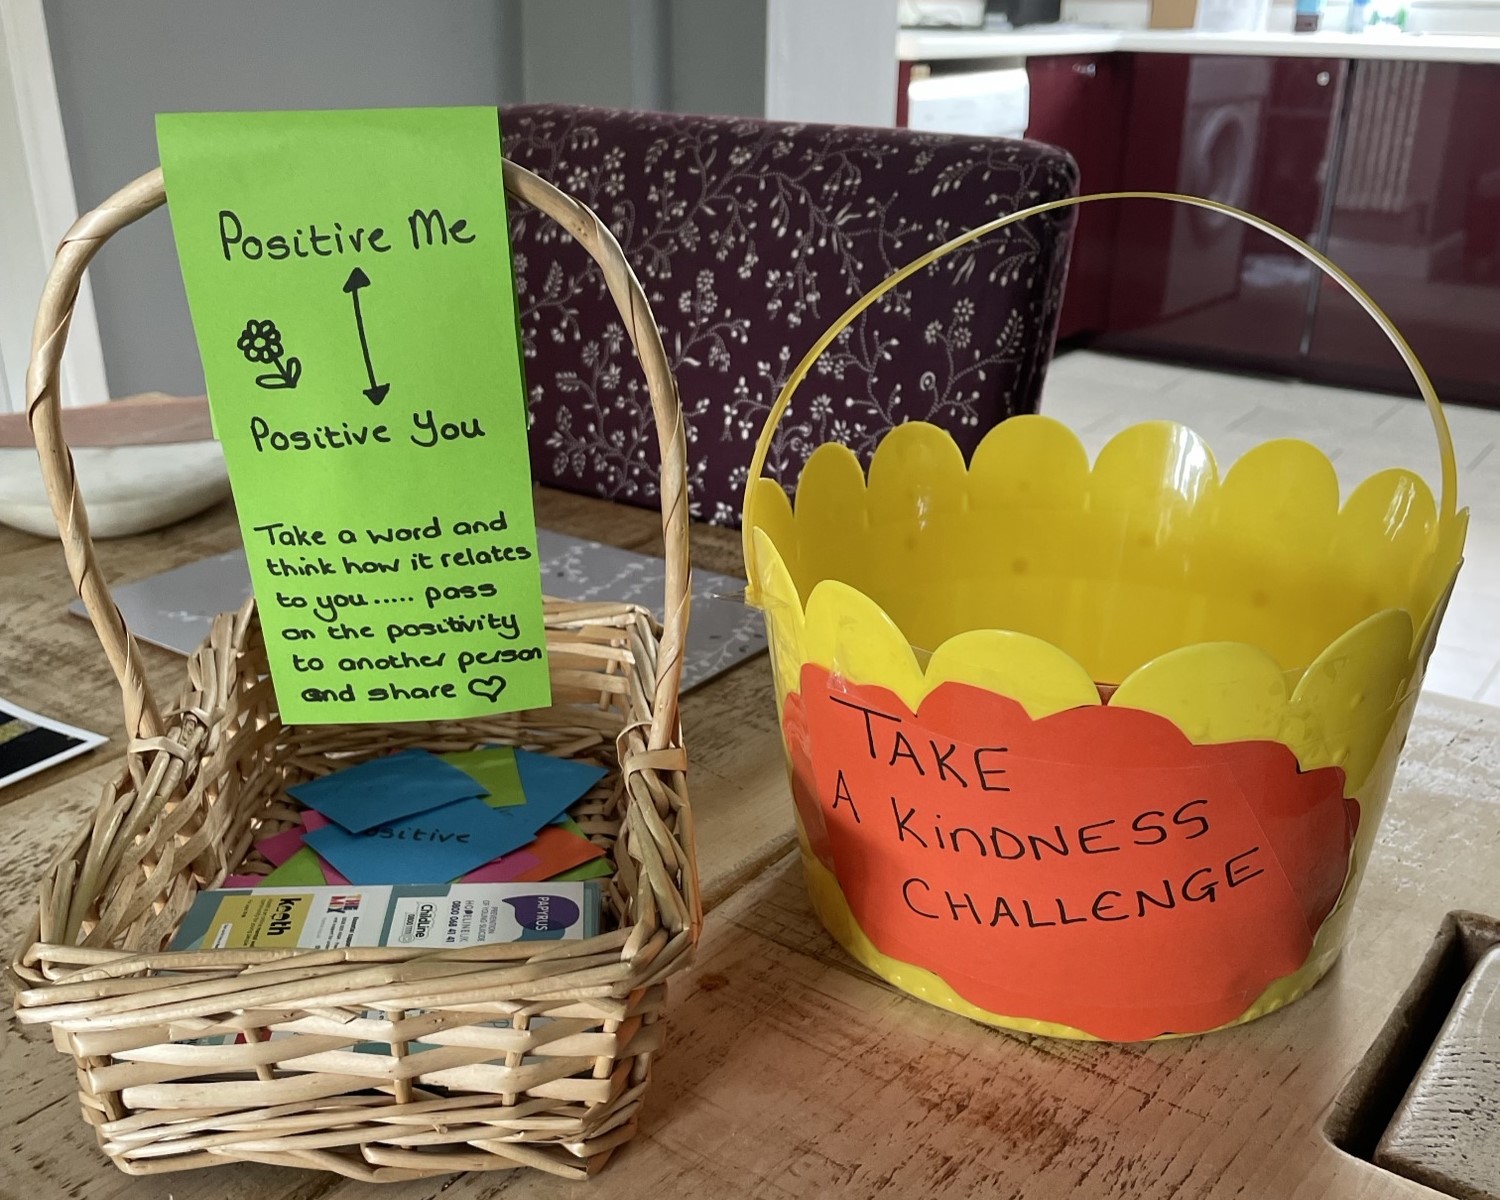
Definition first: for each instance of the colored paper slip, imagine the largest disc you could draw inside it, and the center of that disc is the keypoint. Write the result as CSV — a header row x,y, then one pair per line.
x,y
279,847
349,279
599,868
431,847
381,790
303,869
494,769
554,850
551,784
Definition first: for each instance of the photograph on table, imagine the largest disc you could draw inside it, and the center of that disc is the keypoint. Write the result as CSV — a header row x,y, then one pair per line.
x,y
30,743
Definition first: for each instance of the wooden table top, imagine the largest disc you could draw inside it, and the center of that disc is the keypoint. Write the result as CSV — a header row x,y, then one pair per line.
x,y
789,1071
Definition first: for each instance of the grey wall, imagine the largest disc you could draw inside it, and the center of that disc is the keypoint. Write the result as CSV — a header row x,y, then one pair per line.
x,y
585,52
118,64
717,56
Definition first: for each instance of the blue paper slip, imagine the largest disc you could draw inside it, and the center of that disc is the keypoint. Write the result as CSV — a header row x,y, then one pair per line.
x,y
548,793
387,789
547,780
430,847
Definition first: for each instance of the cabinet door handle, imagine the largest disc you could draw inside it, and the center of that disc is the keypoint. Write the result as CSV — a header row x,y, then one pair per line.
x,y
1089,69
1324,78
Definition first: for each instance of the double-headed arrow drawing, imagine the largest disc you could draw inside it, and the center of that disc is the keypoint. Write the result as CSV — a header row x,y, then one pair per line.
x,y
375,393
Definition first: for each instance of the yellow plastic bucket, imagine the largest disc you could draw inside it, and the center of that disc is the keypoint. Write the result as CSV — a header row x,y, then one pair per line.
x,y
1095,750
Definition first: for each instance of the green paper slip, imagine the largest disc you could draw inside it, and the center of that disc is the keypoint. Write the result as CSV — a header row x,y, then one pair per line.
x,y
349,278
494,768
596,868
302,869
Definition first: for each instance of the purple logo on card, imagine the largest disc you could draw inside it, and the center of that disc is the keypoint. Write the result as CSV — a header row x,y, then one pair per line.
x,y
544,917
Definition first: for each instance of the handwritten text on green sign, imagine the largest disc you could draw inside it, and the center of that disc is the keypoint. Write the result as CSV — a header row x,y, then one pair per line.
x,y
349,279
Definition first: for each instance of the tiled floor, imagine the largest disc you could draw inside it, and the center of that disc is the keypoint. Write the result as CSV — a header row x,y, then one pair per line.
x,y
1098,394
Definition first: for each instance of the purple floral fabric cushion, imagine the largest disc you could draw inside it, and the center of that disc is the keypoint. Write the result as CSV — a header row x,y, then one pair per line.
x,y
750,238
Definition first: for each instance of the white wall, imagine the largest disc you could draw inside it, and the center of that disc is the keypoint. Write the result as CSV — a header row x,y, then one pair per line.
x,y
831,60
22,265
36,207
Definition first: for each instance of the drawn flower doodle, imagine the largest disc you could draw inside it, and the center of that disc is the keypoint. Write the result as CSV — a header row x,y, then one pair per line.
x,y
260,342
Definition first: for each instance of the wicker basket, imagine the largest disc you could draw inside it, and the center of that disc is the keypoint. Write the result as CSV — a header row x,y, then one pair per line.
x,y
489,1057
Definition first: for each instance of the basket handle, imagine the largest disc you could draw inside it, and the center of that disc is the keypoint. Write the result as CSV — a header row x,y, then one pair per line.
x,y
1448,500
142,713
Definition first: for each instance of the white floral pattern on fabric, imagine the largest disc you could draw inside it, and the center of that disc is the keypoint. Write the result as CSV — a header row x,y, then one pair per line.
x,y
750,237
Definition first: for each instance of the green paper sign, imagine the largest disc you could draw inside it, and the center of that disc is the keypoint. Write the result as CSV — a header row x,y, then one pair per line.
x,y
349,278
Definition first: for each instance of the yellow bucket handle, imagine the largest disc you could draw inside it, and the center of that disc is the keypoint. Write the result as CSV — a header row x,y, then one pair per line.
x,y
1449,499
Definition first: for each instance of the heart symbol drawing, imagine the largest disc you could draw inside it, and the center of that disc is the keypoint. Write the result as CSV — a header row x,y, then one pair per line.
x,y
488,688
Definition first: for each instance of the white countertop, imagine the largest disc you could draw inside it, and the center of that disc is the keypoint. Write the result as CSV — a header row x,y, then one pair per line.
x,y
926,45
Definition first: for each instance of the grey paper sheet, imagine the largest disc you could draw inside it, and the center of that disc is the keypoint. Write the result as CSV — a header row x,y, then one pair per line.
x,y
176,608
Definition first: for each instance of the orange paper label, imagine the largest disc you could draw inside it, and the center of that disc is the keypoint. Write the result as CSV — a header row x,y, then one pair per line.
x,y
1093,868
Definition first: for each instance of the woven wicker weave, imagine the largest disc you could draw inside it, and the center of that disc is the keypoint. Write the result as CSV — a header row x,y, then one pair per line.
x,y
484,1058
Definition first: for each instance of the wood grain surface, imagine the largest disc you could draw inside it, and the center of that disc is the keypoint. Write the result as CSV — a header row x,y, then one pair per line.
x,y
788,1070
1446,1133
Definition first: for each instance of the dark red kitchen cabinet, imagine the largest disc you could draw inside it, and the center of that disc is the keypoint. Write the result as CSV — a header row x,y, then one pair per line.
x,y
1416,221
1253,132
1078,102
